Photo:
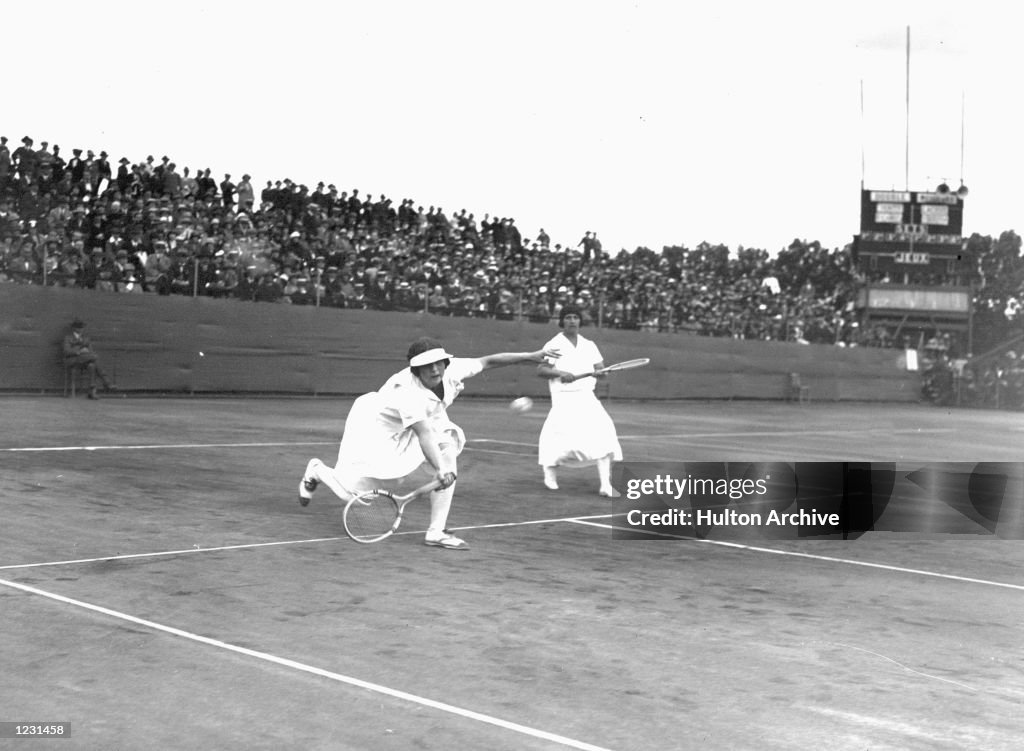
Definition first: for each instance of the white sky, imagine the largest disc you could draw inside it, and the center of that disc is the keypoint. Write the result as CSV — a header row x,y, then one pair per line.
x,y
651,123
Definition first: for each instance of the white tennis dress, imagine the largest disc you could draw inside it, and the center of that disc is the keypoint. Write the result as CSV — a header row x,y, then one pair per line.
x,y
379,443
578,430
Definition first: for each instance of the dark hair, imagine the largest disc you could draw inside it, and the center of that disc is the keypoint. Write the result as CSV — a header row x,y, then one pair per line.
x,y
569,310
421,345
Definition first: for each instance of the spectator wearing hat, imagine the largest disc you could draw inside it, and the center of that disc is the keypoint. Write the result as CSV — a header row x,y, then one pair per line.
x,y
247,283
268,196
156,266
6,167
24,159
269,288
246,194
43,164
57,165
188,185
103,172
32,206
587,243
319,196
128,271
58,217
206,186
227,193
70,264
331,284
76,166
172,181
91,180
156,175
124,175
79,354
24,266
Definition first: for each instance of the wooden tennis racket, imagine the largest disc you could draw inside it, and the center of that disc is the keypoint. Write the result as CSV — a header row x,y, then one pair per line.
x,y
616,367
376,514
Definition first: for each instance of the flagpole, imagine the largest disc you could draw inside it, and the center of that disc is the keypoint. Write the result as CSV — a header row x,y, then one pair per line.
x,y
963,115
907,141
862,158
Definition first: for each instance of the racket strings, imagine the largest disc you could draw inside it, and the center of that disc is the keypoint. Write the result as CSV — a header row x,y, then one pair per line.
x,y
371,516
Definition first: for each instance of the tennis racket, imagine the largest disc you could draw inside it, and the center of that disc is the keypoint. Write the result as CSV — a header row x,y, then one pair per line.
x,y
616,367
375,515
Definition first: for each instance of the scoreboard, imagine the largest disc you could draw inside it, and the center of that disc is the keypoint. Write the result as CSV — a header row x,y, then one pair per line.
x,y
910,231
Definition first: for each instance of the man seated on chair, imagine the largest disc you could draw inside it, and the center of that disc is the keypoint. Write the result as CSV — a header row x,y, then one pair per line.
x,y
78,354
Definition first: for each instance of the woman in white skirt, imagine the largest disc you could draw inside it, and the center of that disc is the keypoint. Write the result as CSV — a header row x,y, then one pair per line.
x,y
578,430
399,436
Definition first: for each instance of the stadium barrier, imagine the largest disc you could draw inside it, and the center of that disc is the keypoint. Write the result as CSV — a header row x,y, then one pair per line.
x,y
204,345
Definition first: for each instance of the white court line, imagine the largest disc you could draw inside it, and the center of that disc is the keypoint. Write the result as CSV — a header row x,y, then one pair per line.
x,y
645,437
183,551
812,556
496,451
745,433
771,433
250,545
284,662
582,520
174,446
498,440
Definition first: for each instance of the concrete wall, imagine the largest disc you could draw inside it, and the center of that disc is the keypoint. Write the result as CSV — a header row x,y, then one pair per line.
x,y
195,345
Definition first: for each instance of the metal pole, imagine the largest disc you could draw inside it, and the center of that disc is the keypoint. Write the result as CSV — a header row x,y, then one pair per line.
x,y
862,146
963,115
907,144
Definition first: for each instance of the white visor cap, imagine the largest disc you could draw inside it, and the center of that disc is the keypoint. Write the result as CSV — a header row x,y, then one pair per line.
x,y
428,357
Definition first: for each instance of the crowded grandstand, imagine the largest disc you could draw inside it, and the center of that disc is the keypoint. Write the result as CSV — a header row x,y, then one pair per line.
x,y
154,227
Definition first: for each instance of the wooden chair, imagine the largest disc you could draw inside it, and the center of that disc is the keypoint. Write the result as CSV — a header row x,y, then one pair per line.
x,y
797,391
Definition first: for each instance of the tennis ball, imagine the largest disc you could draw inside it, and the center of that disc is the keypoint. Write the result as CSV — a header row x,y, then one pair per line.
x,y
522,404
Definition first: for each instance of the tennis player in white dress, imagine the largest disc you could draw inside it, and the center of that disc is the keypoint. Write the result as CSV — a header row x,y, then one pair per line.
x,y
577,431
398,436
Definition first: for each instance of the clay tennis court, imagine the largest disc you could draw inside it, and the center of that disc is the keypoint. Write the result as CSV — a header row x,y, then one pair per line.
x,y
161,588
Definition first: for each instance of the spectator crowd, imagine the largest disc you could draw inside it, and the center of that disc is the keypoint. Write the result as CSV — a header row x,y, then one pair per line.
x,y
150,226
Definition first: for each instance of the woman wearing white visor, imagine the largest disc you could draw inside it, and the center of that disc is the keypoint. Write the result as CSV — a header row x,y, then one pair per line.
x,y
396,436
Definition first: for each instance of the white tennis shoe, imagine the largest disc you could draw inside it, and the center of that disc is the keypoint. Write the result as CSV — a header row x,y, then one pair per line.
x,y
307,486
445,539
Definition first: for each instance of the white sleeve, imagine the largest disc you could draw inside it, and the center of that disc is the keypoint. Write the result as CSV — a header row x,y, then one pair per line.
x,y
552,344
462,368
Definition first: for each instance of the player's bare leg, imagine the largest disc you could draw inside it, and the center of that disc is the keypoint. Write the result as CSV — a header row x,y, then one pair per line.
x,y
551,478
604,473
